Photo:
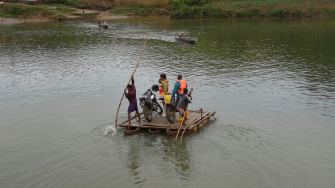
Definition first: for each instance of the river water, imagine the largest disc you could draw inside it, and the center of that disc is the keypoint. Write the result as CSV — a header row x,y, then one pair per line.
x,y
270,81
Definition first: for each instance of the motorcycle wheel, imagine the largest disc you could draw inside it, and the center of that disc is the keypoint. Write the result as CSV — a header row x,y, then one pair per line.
x,y
147,111
159,108
171,113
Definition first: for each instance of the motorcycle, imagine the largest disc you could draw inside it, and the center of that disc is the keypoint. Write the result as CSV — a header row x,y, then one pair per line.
x,y
150,104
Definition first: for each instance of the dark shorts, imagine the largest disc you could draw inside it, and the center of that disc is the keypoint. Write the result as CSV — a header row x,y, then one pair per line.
x,y
132,107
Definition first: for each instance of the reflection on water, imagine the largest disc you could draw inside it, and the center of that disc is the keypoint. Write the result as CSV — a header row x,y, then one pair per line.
x,y
271,83
164,156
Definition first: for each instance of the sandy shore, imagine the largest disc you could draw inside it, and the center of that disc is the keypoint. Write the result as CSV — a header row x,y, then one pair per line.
x,y
107,16
6,21
102,16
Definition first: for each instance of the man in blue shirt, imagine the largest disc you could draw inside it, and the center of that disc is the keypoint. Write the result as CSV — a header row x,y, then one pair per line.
x,y
179,87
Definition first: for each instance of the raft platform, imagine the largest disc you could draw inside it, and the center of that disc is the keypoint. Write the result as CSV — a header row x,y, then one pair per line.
x,y
196,119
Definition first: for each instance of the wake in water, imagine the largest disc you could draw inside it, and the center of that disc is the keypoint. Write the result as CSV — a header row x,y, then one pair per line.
x,y
109,130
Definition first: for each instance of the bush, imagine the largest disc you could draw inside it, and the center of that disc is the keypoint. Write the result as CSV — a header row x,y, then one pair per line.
x,y
143,12
195,2
177,14
300,13
56,1
13,9
279,13
331,11
249,13
179,3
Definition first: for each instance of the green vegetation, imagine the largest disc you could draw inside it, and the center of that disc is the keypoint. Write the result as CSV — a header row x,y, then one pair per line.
x,y
61,16
65,10
331,11
16,11
56,1
186,9
140,10
251,8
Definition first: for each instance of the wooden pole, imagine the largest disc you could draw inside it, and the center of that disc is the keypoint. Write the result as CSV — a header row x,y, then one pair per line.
x,y
184,115
181,138
117,113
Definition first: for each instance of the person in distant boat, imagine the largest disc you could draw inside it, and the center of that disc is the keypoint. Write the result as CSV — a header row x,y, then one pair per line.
x,y
99,22
181,34
183,103
163,88
131,96
179,87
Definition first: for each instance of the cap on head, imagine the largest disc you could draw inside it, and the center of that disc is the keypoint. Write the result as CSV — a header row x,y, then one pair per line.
x,y
185,90
130,86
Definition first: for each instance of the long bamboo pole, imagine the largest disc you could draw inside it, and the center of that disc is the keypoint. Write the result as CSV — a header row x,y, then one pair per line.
x,y
181,138
117,113
184,114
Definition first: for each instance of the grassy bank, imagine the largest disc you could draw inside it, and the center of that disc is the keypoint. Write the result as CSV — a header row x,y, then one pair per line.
x,y
17,10
141,10
257,8
197,9
185,9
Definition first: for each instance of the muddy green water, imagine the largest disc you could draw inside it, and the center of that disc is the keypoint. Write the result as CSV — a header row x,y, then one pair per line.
x,y
270,81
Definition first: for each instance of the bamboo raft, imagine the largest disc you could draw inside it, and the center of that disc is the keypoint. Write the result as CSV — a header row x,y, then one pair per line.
x,y
196,119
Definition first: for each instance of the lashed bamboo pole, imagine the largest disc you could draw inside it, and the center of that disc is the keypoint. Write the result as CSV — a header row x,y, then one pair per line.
x,y
184,113
117,113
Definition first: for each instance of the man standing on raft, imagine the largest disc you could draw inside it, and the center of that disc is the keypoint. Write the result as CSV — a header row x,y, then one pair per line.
x,y
179,87
131,96
163,89
183,103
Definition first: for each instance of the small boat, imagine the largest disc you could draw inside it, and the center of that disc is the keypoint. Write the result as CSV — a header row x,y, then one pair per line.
x,y
186,40
103,26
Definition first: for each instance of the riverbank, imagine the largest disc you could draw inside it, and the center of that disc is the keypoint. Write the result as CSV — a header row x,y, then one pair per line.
x,y
14,13
11,13
251,9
